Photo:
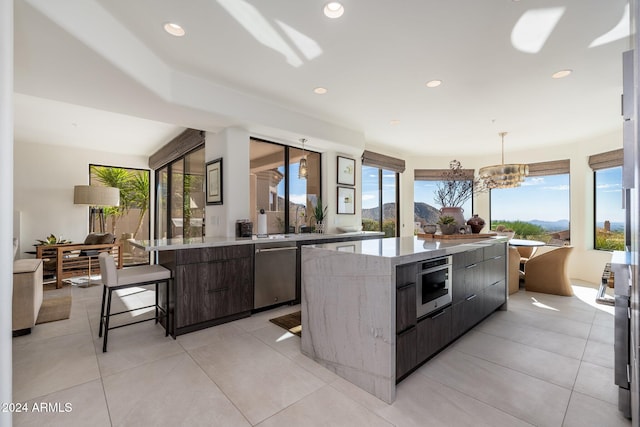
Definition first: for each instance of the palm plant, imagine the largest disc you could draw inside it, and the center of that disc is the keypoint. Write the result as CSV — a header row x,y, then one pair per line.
x,y
118,178
139,189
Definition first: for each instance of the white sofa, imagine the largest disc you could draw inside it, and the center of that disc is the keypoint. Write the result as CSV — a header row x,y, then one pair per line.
x,y
27,293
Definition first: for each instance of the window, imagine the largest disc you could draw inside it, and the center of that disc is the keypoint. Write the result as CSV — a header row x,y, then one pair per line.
x,y
131,218
426,207
609,215
380,194
379,188
287,199
180,197
540,208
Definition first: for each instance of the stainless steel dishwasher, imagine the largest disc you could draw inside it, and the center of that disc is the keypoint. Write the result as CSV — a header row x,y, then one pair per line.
x,y
275,273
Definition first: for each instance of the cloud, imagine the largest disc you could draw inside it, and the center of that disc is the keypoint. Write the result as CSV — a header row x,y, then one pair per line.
x,y
299,199
367,197
607,186
557,188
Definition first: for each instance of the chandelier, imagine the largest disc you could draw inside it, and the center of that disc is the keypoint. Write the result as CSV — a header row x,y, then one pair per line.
x,y
503,176
302,168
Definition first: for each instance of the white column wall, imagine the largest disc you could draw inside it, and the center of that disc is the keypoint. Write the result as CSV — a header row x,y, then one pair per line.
x,y
6,201
232,144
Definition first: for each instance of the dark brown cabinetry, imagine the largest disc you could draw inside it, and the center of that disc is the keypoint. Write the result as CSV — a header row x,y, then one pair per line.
x,y
405,319
211,285
478,285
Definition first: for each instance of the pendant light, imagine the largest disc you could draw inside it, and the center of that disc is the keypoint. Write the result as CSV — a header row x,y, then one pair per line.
x,y
503,176
302,169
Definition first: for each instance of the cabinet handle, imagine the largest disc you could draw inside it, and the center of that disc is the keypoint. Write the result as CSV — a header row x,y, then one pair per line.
x,y
472,266
403,287
211,291
438,314
469,298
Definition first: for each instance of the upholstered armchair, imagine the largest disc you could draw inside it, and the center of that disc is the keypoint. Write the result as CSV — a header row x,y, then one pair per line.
x,y
547,272
78,259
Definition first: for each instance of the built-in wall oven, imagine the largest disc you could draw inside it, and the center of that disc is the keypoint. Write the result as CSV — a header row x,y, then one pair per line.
x,y
433,285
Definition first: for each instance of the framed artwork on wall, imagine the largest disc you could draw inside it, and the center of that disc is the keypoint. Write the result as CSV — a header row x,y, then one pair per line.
x,y
214,182
346,200
346,171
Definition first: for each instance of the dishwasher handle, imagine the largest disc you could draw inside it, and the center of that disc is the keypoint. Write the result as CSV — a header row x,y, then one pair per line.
x,y
288,248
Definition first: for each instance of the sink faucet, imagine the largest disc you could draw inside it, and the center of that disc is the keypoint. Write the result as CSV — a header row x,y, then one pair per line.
x,y
296,228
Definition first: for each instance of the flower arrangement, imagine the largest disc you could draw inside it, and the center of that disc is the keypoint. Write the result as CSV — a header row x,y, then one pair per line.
x,y
52,240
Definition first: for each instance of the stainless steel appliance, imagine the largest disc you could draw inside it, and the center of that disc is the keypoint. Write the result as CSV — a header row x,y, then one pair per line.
x,y
275,273
433,285
617,276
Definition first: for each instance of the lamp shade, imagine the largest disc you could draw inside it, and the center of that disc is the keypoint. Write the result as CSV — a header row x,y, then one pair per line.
x,y
94,195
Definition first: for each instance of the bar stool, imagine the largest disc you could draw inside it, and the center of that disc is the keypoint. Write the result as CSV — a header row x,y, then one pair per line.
x,y
114,279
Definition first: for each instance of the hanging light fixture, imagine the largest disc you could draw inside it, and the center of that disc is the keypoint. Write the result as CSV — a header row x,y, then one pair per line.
x,y
503,176
302,169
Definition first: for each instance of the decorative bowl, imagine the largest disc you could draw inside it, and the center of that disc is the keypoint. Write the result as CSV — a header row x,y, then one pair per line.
x,y
430,228
350,228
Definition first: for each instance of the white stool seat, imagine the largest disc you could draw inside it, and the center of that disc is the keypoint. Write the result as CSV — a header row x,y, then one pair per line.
x,y
140,274
114,279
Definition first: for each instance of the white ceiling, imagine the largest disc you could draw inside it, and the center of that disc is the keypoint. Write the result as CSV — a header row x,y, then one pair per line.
x,y
255,63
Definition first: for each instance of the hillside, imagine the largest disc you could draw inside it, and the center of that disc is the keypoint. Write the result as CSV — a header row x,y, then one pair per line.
x,y
422,213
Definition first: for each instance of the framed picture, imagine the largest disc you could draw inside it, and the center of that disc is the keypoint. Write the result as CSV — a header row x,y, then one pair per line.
x,y
214,182
346,200
346,171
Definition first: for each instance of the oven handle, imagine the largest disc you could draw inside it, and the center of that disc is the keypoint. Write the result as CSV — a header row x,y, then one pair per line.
x,y
433,269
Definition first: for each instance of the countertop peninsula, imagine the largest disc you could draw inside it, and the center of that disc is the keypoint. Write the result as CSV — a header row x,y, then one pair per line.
x,y
211,242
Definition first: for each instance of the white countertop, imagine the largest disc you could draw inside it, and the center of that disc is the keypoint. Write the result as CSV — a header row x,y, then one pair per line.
x,y
399,247
208,242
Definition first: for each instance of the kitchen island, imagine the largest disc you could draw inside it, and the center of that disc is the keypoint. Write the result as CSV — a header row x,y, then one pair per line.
x,y
361,303
214,278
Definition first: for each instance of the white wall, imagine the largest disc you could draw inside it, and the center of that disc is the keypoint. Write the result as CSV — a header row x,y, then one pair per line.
x,y
232,144
44,177
6,212
585,262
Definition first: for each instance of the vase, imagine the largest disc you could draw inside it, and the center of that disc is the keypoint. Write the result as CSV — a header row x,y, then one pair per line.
x,y
476,223
455,212
448,228
319,227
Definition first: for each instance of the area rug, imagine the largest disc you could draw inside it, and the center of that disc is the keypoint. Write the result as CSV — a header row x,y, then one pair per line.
x,y
291,322
56,304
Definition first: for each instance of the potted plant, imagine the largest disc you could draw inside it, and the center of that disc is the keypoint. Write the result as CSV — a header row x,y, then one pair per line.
x,y
319,214
453,191
448,224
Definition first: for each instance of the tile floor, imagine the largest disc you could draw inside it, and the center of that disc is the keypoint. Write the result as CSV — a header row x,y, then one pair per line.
x,y
547,361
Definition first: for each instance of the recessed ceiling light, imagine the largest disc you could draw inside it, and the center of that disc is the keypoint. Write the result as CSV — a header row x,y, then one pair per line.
x,y
434,83
333,10
320,90
174,29
562,73
394,122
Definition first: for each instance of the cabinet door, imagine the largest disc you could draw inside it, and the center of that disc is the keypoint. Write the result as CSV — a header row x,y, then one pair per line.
x,y
434,333
405,352
405,307
210,290
474,279
466,314
494,297
494,270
